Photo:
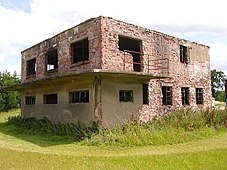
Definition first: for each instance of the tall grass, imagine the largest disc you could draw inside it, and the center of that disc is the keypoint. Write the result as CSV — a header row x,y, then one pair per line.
x,y
33,126
189,119
181,126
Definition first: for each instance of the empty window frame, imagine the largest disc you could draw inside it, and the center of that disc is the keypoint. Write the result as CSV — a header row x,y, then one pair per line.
x,y
31,67
199,96
79,97
30,100
52,60
145,94
126,95
185,95
50,99
132,46
167,95
184,54
80,51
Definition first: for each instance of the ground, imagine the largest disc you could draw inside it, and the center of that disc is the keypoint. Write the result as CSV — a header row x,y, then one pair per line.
x,y
219,105
20,151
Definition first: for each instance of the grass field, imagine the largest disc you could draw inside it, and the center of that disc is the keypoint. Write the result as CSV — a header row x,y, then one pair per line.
x,y
21,151
219,105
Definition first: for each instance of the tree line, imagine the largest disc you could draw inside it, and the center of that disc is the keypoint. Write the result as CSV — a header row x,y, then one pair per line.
x,y
217,85
10,100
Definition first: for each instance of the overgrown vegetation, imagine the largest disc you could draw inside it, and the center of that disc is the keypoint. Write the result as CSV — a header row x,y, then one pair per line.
x,y
33,126
8,100
182,126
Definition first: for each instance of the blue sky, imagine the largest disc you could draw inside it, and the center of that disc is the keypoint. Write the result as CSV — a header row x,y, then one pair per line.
x,y
27,22
16,5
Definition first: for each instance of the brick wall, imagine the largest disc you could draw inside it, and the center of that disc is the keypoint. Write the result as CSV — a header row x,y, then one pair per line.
x,y
62,42
161,56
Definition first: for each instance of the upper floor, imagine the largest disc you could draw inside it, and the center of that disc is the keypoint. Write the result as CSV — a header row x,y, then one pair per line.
x,y
112,45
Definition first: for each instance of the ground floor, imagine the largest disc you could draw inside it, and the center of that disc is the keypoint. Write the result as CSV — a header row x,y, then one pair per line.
x,y
110,98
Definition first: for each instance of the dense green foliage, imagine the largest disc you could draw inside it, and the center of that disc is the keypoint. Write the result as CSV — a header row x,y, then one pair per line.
x,y
8,100
217,83
220,96
182,126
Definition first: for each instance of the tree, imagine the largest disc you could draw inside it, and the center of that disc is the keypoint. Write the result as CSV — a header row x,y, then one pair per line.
x,y
220,96
8,100
216,82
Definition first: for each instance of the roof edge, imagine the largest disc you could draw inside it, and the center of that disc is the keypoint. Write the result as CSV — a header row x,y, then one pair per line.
x,y
19,87
84,22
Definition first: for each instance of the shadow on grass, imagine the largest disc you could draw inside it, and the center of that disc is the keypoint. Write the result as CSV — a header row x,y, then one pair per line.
x,y
44,140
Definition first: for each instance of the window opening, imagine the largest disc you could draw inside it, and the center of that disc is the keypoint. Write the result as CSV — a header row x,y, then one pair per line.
x,y
50,99
145,94
79,97
31,67
30,100
167,95
133,47
184,54
80,51
52,60
199,96
185,95
126,96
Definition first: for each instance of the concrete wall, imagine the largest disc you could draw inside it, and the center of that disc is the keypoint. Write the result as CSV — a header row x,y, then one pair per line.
x,y
63,111
104,105
115,111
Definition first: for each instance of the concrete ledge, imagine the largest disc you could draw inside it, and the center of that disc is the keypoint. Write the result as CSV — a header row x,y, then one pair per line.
x,y
70,76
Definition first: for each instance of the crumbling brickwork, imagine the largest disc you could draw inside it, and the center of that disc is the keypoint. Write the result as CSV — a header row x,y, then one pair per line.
x,y
160,56
89,29
119,47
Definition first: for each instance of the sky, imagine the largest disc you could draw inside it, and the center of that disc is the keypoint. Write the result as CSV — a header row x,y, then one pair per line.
x,y
25,23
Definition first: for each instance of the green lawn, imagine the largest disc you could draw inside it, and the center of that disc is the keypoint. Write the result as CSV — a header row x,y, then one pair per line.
x,y
20,151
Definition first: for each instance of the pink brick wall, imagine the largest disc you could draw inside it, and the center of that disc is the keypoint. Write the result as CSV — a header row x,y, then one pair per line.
x,y
62,41
161,56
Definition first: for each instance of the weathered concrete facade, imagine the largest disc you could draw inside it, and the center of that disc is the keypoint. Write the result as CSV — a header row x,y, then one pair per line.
x,y
123,61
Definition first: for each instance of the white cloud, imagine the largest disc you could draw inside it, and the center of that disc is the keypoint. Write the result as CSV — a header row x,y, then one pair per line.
x,y
174,17
7,50
218,53
11,68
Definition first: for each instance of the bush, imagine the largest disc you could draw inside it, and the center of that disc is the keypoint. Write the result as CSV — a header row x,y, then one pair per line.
x,y
220,96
